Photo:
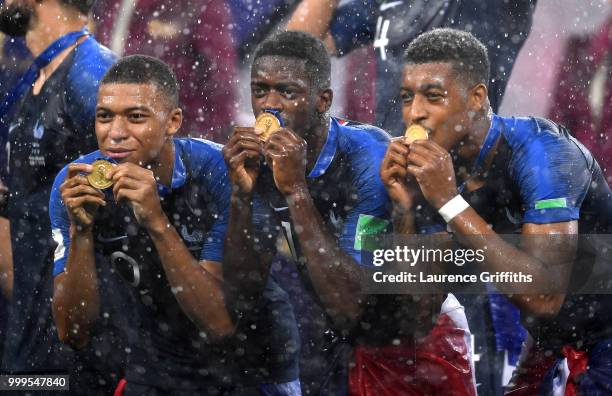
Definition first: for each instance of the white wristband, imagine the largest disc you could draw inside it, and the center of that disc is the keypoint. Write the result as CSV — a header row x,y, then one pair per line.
x,y
453,207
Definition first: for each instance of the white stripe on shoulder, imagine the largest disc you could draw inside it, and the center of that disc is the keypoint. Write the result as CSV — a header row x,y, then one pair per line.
x,y
60,250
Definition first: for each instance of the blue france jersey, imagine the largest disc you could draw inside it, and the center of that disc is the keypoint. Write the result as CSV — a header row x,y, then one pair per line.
x,y
48,131
208,201
390,26
540,175
345,186
167,349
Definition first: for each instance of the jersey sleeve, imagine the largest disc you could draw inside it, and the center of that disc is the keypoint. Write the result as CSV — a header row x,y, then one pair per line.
x,y
60,225
91,61
370,214
217,198
553,176
354,25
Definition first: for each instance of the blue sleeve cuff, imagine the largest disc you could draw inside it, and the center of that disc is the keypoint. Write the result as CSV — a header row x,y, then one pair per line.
x,y
551,215
432,229
59,266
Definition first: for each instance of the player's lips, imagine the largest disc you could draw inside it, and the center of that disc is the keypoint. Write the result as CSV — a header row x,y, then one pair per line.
x,y
118,153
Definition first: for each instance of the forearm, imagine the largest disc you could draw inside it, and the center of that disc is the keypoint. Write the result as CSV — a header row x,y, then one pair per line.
x,y
334,274
197,291
76,298
6,259
403,221
501,256
245,269
313,16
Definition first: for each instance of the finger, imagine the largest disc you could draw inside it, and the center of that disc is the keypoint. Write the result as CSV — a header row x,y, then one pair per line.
x,y
238,144
82,216
415,171
418,160
82,189
276,146
246,135
128,195
399,143
239,130
131,171
396,158
423,150
291,136
238,161
398,149
397,171
73,182
428,145
76,168
126,183
249,144
75,203
283,136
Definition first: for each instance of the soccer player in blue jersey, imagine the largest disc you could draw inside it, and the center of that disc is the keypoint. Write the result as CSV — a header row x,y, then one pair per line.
x,y
480,174
161,227
390,25
50,123
318,177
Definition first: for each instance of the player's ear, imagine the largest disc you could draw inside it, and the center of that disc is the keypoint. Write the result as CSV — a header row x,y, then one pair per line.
x,y
324,100
175,119
478,98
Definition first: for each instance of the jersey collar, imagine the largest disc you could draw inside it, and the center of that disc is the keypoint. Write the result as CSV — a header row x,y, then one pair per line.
x,y
179,176
489,143
326,156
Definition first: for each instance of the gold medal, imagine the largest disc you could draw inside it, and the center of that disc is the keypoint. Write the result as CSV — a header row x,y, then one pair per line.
x,y
97,178
268,124
416,132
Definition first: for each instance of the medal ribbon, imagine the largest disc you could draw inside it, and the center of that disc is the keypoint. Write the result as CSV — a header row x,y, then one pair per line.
x,y
28,78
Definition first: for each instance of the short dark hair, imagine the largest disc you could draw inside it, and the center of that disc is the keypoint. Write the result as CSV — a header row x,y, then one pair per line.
x,y
464,51
300,45
143,69
84,6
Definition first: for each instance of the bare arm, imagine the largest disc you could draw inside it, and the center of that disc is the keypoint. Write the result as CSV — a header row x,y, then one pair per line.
x,y
334,274
548,260
550,263
314,17
394,176
245,268
76,298
6,259
196,285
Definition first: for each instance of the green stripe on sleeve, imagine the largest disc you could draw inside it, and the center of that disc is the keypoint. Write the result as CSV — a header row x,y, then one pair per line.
x,y
551,203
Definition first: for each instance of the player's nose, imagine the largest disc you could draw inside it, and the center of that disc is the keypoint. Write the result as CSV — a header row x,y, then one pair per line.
x,y
118,130
418,110
273,101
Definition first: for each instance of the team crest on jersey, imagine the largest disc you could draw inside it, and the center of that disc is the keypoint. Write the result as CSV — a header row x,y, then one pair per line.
x,y
39,130
197,236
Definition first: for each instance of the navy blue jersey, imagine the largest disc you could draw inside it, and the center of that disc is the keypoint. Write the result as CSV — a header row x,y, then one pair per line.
x,y
390,25
540,175
345,186
167,350
349,195
48,131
